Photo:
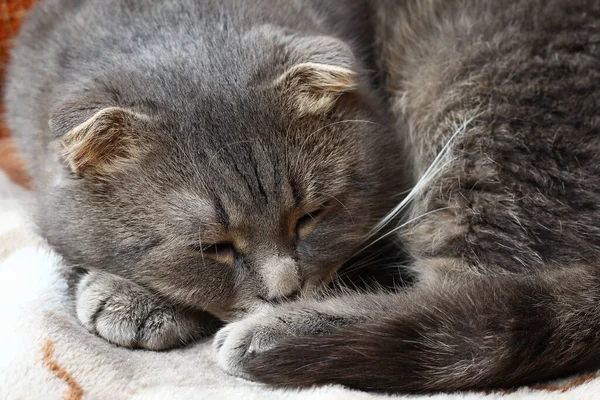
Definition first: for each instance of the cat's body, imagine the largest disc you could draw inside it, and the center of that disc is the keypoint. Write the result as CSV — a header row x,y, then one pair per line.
x,y
504,235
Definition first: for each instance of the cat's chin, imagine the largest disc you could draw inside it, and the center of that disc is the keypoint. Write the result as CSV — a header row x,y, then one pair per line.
x,y
240,312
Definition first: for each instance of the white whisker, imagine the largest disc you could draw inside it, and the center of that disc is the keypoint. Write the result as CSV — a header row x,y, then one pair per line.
x,y
440,162
433,170
396,229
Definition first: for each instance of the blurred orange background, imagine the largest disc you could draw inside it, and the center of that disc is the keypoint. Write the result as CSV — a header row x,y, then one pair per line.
x,y
12,13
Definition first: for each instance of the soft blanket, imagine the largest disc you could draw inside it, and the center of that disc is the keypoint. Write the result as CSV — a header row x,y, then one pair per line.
x,y
46,354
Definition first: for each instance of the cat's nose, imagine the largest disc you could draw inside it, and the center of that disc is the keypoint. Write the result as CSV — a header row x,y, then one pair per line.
x,y
281,278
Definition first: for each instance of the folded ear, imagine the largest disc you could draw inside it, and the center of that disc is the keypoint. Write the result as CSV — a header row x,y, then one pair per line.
x,y
320,70
106,142
314,88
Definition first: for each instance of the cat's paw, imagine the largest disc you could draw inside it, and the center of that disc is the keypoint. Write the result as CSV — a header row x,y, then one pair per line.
x,y
126,314
238,342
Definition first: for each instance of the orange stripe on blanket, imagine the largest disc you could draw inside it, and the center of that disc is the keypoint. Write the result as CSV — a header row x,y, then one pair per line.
x,y
565,387
569,385
74,392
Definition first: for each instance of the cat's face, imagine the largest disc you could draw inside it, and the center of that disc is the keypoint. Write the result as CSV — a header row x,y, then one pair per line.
x,y
229,210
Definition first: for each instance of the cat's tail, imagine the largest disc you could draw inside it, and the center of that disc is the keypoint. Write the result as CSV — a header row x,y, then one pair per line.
x,y
490,332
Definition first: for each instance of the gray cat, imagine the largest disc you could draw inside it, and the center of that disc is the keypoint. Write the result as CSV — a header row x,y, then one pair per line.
x,y
498,105
226,157
199,159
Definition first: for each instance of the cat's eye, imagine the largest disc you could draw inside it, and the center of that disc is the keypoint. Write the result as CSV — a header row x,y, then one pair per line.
x,y
223,251
306,223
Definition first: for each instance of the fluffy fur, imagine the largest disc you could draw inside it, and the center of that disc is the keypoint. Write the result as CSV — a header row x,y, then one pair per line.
x,y
496,106
199,158
504,236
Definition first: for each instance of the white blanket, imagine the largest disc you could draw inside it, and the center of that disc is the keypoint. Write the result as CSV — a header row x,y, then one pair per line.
x,y
46,354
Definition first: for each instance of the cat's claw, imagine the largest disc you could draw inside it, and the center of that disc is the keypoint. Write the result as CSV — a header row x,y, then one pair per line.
x,y
126,314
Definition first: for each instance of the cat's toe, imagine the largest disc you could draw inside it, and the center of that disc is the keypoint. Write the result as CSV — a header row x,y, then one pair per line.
x,y
231,345
127,316
238,342
159,330
118,322
221,337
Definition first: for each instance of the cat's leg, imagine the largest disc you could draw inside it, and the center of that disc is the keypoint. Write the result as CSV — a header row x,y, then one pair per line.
x,y
125,313
238,342
462,333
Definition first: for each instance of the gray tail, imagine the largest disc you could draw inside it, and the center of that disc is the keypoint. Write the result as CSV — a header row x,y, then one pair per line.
x,y
492,332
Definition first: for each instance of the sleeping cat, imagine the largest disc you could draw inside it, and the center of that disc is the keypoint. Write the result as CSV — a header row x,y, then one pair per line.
x,y
199,159
225,157
498,104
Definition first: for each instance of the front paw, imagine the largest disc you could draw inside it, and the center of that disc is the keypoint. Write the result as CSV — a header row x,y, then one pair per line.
x,y
272,328
126,314
238,342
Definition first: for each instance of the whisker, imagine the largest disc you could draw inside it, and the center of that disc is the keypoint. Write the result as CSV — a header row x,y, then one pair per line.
x,y
440,162
396,229
201,250
434,168
339,201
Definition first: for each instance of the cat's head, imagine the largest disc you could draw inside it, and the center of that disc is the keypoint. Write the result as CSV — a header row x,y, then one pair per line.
x,y
252,192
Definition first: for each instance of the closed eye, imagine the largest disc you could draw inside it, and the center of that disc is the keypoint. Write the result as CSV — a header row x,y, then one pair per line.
x,y
224,251
307,222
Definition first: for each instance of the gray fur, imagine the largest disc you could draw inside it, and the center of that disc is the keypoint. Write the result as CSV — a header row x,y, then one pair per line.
x,y
155,131
129,315
504,237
